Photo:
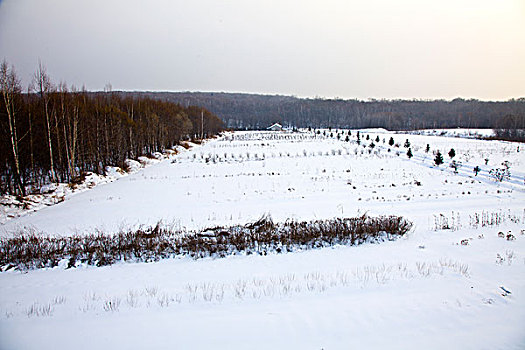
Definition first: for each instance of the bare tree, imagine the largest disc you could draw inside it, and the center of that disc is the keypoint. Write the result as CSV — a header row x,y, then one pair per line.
x,y
10,87
69,113
44,87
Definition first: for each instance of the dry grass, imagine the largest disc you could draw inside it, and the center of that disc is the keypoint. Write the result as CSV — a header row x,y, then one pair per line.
x,y
260,237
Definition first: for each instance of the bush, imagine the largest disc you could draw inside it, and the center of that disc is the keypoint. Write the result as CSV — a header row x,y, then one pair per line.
x,y
261,237
500,174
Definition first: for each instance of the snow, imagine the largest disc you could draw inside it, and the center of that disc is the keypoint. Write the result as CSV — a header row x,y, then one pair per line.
x,y
459,132
426,290
227,182
51,194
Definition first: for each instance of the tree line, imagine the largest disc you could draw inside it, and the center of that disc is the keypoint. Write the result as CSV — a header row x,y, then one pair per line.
x,y
55,133
251,111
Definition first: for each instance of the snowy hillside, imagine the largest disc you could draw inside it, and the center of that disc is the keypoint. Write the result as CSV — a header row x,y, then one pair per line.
x,y
457,280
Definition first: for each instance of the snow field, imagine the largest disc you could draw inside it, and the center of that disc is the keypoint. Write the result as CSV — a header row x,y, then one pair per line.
x,y
438,287
240,177
432,295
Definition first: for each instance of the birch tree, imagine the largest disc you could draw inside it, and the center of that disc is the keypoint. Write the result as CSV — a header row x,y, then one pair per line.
x,y
10,86
44,87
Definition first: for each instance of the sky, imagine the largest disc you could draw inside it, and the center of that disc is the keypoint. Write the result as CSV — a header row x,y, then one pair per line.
x,y
331,48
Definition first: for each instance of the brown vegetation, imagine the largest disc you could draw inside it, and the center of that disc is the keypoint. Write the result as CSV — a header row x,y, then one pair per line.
x,y
261,237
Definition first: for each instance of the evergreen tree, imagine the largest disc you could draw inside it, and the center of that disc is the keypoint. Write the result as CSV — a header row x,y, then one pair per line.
x,y
428,148
476,170
407,144
452,153
438,159
409,153
391,141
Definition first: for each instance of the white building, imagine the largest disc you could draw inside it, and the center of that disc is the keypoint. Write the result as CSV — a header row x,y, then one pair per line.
x,y
276,127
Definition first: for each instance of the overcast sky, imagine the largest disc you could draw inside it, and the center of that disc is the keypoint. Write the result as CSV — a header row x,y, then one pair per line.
x,y
329,48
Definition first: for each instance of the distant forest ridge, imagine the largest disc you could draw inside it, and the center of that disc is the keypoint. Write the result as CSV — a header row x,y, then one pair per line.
x,y
252,111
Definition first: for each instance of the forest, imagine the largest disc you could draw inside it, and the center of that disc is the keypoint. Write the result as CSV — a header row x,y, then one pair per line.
x,y
250,111
55,133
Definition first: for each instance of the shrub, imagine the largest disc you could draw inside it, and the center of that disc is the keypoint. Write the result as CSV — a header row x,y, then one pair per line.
x,y
261,237
455,165
500,174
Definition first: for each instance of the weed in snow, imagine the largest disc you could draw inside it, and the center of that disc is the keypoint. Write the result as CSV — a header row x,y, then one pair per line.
x,y
112,304
39,310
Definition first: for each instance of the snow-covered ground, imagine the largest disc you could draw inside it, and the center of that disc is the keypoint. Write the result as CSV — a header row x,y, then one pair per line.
x,y
427,290
458,132
291,176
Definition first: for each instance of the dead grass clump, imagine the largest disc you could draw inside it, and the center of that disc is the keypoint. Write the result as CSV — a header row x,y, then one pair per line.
x,y
260,237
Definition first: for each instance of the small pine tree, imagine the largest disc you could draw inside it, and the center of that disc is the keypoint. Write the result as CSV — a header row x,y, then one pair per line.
x,y
438,159
455,165
428,148
476,170
368,137
377,139
407,144
452,153
347,138
409,153
391,141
